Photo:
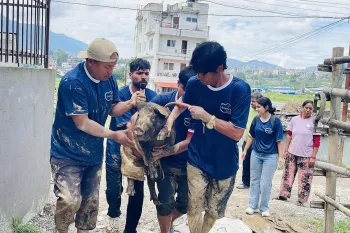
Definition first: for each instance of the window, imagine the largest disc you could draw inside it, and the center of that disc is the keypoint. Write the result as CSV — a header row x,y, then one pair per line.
x,y
170,43
168,66
193,20
150,45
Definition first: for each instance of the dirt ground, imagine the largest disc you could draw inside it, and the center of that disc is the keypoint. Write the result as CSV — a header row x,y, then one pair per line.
x,y
236,206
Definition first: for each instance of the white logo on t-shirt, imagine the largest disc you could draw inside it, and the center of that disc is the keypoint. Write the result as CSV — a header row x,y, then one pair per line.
x,y
187,122
109,96
268,130
225,108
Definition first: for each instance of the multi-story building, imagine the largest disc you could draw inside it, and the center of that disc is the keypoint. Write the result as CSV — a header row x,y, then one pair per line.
x,y
167,39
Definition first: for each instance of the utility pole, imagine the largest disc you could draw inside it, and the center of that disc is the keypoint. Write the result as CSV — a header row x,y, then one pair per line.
x,y
333,140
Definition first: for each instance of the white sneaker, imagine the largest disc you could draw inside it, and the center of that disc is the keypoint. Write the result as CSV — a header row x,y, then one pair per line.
x,y
265,214
112,225
251,211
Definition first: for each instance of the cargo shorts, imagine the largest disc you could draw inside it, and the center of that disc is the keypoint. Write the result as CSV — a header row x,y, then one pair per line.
x,y
208,194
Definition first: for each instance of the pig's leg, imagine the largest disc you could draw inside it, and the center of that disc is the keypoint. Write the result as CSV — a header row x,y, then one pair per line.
x,y
131,188
152,170
152,189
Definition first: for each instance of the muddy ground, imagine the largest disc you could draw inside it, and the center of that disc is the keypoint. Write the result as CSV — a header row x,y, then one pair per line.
x,y
302,216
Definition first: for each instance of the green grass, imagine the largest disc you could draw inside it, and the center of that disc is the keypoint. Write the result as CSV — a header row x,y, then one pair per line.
x,y
18,227
278,97
341,226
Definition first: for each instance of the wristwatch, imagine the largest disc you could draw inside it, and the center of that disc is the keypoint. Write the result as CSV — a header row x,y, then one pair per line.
x,y
211,123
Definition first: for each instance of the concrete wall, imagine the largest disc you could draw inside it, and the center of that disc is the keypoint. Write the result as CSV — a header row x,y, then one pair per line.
x,y
26,114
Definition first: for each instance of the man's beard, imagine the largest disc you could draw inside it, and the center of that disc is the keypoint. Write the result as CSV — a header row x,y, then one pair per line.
x,y
140,85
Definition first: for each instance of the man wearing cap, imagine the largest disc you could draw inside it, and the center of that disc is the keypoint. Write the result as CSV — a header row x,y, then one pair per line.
x,y
86,95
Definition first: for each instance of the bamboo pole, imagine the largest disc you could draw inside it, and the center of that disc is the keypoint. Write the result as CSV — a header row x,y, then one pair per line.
x,y
331,177
337,60
335,204
333,168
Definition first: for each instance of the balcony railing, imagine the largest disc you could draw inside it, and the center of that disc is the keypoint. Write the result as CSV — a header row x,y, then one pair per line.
x,y
24,33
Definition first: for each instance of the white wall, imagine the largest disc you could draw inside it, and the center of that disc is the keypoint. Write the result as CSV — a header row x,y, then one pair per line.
x,y
26,115
191,43
177,65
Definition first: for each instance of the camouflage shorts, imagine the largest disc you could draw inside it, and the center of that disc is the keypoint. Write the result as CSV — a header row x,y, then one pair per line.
x,y
207,194
76,187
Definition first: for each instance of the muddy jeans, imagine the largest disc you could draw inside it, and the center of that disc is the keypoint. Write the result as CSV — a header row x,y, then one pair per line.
x,y
293,165
206,193
172,181
77,188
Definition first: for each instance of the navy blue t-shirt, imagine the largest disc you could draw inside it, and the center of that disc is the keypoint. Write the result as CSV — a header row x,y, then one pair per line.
x,y
182,127
209,150
81,94
265,135
119,123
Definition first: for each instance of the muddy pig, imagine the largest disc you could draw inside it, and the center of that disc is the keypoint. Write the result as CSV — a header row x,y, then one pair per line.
x,y
148,133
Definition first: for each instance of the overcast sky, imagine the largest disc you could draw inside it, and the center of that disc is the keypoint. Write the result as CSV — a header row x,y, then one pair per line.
x,y
243,38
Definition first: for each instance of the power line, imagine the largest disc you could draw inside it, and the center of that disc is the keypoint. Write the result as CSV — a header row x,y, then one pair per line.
x,y
313,4
299,8
324,2
209,14
279,46
251,8
290,41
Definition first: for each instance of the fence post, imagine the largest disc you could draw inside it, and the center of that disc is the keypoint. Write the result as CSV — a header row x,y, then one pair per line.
x,y
333,143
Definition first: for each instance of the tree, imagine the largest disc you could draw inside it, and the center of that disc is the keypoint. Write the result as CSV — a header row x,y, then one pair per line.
x,y
60,56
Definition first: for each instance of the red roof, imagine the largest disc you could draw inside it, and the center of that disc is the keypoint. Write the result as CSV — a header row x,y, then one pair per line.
x,y
170,85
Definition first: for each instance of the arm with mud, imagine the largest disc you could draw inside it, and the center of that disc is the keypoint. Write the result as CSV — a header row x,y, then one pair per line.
x,y
174,150
93,128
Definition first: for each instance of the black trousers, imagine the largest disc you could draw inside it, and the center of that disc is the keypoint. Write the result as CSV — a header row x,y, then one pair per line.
x,y
246,166
113,196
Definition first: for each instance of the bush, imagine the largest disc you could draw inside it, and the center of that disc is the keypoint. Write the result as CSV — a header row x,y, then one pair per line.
x,y
18,227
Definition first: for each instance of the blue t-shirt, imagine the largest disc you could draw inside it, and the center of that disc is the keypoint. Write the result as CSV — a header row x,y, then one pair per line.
x,y
265,135
182,127
81,94
119,123
209,150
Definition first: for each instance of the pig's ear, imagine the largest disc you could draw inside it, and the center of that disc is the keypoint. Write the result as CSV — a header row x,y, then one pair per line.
x,y
161,111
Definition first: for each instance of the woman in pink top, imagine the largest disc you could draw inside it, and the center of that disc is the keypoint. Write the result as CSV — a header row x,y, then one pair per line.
x,y
300,155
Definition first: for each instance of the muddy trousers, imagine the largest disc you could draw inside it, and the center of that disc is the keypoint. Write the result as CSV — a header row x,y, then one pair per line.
x,y
113,196
76,187
293,165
